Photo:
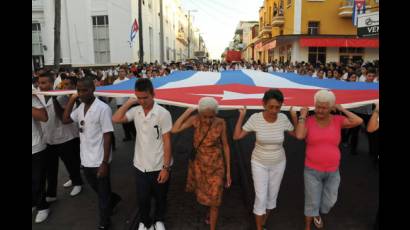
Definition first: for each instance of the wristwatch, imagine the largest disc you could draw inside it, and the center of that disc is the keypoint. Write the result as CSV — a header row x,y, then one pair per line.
x,y
168,168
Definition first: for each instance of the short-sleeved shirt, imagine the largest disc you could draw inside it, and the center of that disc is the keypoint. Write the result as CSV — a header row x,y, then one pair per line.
x,y
269,138
120,100
37,141
97,121
322,144
55,132
149,145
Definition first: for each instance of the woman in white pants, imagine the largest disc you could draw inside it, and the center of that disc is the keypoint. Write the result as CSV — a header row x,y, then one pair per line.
x,y
268,157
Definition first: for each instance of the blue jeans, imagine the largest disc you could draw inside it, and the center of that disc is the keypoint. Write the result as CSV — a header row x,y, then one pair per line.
x,y
321,190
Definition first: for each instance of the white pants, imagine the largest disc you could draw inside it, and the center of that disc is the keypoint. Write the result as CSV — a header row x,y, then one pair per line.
x,y
266,180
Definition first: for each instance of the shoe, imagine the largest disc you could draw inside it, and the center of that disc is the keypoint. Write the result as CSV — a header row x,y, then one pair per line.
x,y
159,225
103,227
67,184
76,190
115,200
42,215
318,222
142,227
51,199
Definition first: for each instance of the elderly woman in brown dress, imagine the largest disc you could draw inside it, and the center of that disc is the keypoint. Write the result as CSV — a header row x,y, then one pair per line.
x,y
211,165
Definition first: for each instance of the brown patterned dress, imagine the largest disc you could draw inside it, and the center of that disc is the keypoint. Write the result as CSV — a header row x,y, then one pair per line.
x,y
207,172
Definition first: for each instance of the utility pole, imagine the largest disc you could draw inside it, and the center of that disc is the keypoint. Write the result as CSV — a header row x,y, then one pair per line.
x,y
141,54
161,29
57,26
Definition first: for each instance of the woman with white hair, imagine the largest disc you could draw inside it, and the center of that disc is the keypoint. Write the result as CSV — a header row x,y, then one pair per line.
x,y
206,172
322,133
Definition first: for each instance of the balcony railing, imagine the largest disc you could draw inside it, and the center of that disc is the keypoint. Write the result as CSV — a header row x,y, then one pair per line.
x,y
278,21
346,9
266,29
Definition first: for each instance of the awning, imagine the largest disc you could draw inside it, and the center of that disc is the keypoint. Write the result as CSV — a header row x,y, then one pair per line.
x,y
269,45
339,42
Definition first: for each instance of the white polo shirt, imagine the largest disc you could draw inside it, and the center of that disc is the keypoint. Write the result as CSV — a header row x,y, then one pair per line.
x,y
149,146
37,141
97,121
120,100
55,132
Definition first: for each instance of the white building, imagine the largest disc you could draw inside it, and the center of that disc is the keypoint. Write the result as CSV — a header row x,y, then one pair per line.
x,y
98,31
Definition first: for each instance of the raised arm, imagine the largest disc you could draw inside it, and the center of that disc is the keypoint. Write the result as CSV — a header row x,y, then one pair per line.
x,y
68,109
239,133
183,122
300,127
352,119
119,115
373,124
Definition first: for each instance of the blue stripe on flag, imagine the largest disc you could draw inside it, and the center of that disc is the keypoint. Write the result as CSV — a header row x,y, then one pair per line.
x,y
174,76
328,83
126,85
234,77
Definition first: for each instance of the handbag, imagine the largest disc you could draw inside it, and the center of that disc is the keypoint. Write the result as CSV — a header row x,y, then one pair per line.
x,y
195,150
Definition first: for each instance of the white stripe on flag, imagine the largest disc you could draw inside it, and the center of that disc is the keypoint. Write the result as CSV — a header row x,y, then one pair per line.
x,y
197,79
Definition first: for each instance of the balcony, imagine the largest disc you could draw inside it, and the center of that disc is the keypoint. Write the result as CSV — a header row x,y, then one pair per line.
x,y
278,21
266,31
346,9
181,38
37,5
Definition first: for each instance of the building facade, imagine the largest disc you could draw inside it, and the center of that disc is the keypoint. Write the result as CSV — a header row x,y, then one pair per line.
x,y
98,32
312,31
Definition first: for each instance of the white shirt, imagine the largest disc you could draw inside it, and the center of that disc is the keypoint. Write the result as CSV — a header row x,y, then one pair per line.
x,y
120,100
55,132
97,121
362,78
57,82
344,77
270,69
37,142
269,138
149,145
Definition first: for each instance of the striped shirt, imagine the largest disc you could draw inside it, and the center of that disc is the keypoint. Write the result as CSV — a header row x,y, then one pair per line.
x,y
269,138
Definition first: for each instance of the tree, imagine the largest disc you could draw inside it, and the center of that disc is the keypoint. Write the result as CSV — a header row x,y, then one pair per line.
x,y
57,26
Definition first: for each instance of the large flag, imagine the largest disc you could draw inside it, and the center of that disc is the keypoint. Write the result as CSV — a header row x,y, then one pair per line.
x,y
133,33
359,7
236,88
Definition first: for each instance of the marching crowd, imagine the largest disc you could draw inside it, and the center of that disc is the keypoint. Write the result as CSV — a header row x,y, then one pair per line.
x,y
78,129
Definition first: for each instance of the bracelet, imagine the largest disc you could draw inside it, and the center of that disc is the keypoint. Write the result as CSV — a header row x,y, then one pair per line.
x,y
302,118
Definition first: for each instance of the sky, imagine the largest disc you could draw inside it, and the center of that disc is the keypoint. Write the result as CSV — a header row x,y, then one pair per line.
x,y
218,19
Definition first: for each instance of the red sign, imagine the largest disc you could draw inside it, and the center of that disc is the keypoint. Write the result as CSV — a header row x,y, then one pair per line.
x,y
339,42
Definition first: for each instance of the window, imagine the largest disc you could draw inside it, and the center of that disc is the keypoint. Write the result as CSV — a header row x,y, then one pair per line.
x,y
317,54
151,48
351,54
150,4
36,42
168,48
101,39
313,28
289,53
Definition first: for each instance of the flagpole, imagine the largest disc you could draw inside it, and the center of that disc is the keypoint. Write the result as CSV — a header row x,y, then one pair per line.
x,y
141,53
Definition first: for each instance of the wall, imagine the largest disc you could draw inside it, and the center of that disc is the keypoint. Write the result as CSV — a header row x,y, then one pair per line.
x,y
371,54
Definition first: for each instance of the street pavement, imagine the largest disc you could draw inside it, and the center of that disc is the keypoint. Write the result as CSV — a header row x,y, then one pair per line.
x,y
355,209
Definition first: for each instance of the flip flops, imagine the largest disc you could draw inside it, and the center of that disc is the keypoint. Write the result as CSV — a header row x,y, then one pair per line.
x,y
318,222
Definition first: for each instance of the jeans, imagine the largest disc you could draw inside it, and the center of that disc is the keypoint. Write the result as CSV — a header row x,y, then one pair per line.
x,y
69,152
321,189
148,187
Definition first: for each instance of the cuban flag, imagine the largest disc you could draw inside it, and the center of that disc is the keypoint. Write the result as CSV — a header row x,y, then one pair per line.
x,y
359,7
238,88
133,33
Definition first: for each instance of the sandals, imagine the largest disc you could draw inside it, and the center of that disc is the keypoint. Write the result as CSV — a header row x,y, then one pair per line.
x,y
318,222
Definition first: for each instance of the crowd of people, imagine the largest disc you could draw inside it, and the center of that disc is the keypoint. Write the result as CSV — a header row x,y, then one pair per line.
x,y
78,129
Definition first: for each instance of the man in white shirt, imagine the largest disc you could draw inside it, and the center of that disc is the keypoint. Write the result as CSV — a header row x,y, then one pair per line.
x,y
38,161
62,141
129,128
94,119
152,157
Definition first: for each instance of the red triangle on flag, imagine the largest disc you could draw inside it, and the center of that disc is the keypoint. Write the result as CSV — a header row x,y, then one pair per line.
x,y
135,25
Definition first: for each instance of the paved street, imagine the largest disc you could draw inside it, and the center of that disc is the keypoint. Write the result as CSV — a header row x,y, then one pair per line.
x,y
355,208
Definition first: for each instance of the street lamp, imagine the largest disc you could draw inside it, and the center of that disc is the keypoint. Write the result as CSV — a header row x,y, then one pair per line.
x,y
189,32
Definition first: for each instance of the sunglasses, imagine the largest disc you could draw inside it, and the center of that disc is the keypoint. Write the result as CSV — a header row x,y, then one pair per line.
x,y
81,126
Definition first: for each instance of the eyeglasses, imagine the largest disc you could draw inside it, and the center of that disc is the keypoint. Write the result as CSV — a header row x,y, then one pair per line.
x,y
81,126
